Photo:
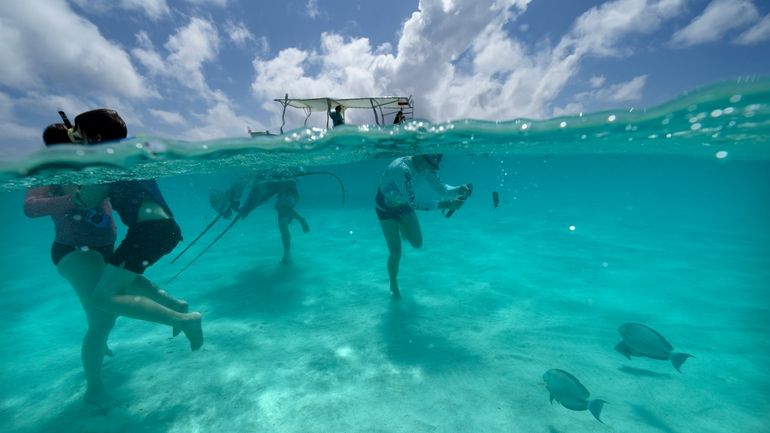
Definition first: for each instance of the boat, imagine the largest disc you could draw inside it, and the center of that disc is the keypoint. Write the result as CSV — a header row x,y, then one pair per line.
x,y
383,107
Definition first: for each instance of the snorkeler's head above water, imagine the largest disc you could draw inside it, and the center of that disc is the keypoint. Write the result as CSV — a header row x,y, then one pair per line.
x,y
99,125
91,127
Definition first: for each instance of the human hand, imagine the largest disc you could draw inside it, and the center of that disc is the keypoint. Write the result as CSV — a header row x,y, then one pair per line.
x,y
464,190
455,204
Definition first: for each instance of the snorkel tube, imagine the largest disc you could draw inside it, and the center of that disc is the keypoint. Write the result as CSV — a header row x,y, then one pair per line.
x,y
64,119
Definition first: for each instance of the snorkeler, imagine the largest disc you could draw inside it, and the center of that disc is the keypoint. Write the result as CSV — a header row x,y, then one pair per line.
x,y
400,193
152,233
85,234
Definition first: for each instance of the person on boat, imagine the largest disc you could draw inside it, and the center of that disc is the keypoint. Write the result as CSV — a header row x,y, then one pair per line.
x,y
262,186
399,117
152,233
411,183
337,116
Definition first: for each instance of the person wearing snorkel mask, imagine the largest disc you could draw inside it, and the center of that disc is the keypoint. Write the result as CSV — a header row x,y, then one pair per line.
x,y
86,258
152,233
411,183
85,235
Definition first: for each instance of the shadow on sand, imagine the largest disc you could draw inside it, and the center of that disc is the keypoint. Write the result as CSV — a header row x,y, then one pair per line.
x,y
649,418
272,291
409,341
640,372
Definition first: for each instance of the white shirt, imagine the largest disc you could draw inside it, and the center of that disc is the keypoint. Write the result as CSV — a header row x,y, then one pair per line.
x,y
402,185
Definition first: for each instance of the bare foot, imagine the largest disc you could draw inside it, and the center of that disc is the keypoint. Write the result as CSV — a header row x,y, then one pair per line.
x,y
101,400
305,226
395,293
180,307
286,260
191,326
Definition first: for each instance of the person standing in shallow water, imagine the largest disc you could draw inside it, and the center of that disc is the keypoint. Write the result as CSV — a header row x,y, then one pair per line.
x,y
152,233
262,186
84,237
411,183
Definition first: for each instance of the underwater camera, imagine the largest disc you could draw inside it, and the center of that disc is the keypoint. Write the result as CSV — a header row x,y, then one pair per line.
x,y
463,197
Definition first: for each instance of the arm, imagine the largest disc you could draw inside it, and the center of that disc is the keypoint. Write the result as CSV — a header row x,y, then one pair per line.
x,y
39,202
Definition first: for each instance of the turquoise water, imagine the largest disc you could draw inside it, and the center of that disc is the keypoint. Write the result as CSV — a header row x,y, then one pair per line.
x,y
600,222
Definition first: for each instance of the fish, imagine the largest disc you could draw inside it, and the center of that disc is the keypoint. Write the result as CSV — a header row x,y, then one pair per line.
x,y
567,390
641,340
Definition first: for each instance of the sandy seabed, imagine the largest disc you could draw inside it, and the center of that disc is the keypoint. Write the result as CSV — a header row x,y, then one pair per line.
x,y
491,302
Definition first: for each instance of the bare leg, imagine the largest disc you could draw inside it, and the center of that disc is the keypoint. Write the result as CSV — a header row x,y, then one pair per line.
x,y
144,287
110,296
392,238
409,227
302,221
83,270
283,227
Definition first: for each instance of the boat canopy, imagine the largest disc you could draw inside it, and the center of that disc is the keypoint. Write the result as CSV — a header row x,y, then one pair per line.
x,y
381,106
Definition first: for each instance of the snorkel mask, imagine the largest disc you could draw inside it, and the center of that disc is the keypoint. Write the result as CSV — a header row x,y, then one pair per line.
x,y
95,126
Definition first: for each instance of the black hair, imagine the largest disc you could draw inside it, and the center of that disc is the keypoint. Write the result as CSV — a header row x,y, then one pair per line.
x,y
55,133
101,124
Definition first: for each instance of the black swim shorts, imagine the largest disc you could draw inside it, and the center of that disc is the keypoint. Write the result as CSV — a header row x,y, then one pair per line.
x,y
385,212
145,243
58,251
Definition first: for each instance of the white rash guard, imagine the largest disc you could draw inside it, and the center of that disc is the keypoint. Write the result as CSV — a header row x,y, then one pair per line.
x,y
402,185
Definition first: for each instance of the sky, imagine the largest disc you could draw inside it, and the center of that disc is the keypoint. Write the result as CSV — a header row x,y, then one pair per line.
x,y
208,69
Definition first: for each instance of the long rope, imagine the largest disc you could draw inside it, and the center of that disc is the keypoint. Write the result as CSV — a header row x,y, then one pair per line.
x,y
342,185
211,224
235,220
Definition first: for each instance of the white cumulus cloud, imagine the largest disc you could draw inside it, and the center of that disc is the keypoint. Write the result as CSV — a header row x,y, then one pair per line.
x,y
459,60
238,33
757,33
46,46
719,18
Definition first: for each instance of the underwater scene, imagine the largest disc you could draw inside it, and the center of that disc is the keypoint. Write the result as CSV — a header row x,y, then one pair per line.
x,y
605,272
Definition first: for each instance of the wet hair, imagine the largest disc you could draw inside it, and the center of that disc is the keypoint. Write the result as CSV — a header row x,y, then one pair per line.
x,y
338,108
55,133
101,124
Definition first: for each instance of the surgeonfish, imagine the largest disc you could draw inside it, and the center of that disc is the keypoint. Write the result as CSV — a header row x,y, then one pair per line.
x,y
570,393
640,340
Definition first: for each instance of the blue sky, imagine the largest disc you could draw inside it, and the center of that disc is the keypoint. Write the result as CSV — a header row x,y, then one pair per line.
x,y
205,69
